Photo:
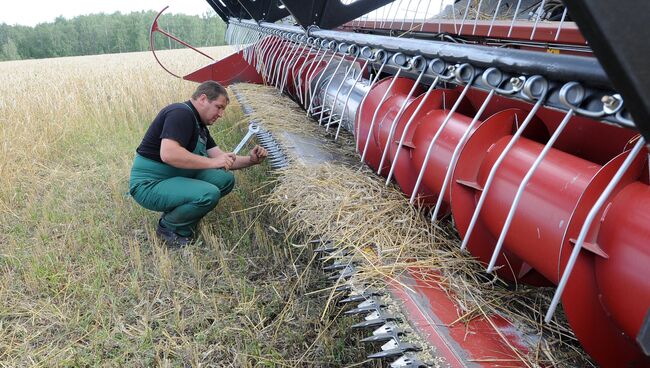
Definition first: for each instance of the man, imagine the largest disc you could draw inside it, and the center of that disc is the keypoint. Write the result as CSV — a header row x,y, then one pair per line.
x,y
179,170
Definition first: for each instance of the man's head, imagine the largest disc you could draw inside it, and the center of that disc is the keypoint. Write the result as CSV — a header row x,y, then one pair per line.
x,y
210,100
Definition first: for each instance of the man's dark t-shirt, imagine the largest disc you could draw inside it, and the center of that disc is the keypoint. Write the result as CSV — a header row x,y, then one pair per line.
x,y
175,122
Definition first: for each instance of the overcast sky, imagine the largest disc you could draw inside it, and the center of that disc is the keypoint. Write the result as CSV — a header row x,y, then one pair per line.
x,y
32,12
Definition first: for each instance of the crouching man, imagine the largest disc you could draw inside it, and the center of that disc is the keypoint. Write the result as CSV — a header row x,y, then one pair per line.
x,y
178,169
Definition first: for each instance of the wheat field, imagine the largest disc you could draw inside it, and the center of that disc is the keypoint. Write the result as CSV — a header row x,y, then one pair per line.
x,y
83,280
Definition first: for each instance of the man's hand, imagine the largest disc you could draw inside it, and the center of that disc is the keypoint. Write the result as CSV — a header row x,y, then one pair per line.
x,y
225,160
258,154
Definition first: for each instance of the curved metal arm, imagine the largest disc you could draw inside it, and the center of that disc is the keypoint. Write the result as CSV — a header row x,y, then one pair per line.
x,y
156,28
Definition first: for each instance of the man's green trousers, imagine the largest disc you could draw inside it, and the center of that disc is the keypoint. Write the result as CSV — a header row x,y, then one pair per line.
x,y
184,196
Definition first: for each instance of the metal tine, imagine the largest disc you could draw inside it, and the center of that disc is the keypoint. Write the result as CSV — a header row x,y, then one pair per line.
x,y
320,77
300,48
297,49
311,92
426,14
398,4
591,216
388,12
411,65
470,81
415,14
240,39
406,13
539,14
298,81
259,46
522,187
325,46
494,17
291,70
461,142
250,37
383,15
284,61
478,12
329,82
453,15
273,56
245,36
311,68
514,17
278,58
246,39
270,56
234,38
440,17
559,27
372,83
531,92
408,125
462,22
264,56
380,104
318,109
353,49
347,97
263,49
256,47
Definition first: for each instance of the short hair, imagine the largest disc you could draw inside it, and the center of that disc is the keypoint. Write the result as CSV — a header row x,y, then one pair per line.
x,y
211,89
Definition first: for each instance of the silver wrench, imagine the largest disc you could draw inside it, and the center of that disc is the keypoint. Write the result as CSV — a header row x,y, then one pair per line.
x,y
253,128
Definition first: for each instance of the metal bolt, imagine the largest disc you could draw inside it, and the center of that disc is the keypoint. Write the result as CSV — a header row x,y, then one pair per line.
x,y
611,104
517,83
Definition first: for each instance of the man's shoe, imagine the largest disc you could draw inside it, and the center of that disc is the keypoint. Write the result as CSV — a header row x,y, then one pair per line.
x,y
170,238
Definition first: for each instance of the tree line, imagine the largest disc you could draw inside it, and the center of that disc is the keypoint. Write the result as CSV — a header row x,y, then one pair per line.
x,y
106,33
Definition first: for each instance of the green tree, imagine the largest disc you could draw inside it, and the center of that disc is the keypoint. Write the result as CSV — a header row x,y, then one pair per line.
x,y
106,33
9,51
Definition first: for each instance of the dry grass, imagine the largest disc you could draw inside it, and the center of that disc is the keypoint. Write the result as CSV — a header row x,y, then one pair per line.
x,y
83,281
377,229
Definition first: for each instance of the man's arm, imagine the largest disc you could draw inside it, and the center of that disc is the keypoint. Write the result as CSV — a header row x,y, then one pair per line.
x,y
257,155
173,154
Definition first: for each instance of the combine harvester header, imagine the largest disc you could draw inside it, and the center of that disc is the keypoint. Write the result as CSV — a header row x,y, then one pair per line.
x,y
524,121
